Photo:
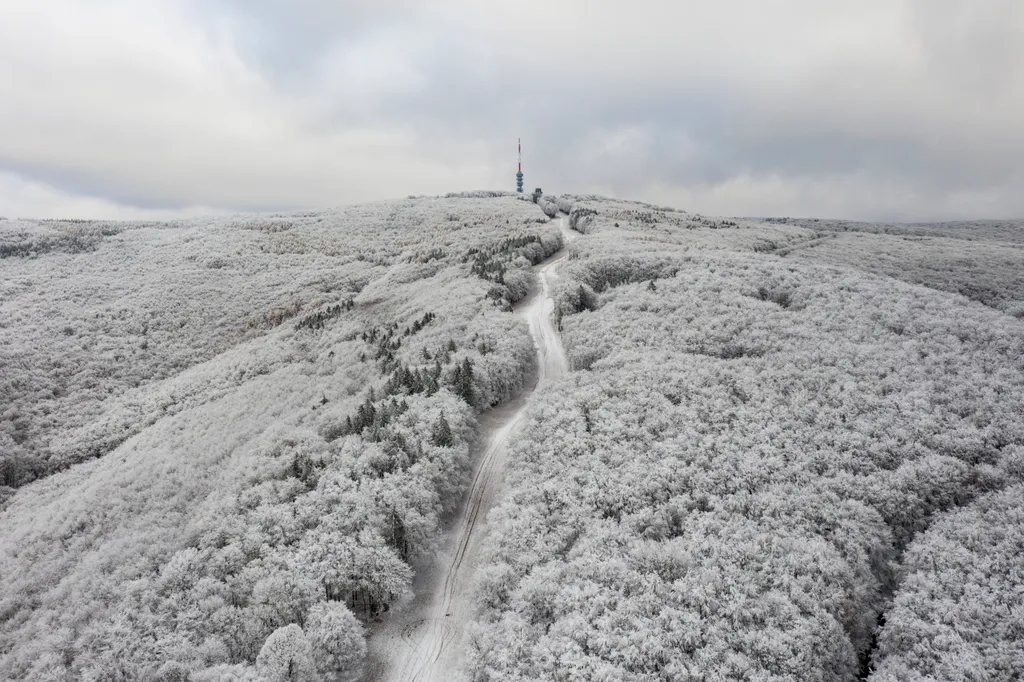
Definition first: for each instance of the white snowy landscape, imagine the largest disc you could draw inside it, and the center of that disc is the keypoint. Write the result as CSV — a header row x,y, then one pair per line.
x,y
472,437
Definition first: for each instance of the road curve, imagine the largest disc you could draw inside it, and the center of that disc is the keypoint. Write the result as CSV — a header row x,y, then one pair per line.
x,y
423,643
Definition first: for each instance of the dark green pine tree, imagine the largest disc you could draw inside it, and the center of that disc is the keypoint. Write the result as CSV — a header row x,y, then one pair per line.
x,y
464,381
442,433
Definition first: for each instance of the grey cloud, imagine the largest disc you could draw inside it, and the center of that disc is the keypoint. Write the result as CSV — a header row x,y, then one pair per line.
x,y
914,106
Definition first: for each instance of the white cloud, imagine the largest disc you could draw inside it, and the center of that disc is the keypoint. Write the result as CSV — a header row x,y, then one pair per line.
x,y
133,100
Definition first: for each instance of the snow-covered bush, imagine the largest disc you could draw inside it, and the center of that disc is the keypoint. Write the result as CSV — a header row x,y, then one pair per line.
x,y
564,204
549,208
580,219
604,273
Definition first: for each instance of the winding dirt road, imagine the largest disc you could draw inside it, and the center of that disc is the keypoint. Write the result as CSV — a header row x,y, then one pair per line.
x,y
423,642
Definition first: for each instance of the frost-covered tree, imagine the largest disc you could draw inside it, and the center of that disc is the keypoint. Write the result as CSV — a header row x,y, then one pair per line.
x,y
287,657
336,636
441,434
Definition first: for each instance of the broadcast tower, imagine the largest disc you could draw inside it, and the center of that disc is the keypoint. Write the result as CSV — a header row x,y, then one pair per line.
x,y
519,175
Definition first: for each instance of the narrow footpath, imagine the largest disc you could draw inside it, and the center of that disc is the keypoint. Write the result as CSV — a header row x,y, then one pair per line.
x,y
424,642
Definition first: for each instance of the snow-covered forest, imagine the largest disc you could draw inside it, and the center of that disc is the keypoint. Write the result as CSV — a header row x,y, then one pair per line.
x,y
786,450
224,442
982,260
766,452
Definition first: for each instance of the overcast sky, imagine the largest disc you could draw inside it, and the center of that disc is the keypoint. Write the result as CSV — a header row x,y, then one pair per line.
x,y
876,109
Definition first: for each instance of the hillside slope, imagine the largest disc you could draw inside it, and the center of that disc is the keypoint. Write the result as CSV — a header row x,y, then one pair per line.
x,y
725,485
318,434
983,260
93,311
784,450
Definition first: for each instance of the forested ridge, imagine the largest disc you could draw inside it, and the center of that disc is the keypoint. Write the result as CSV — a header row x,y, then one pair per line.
x,y
787,449
761,468
245,517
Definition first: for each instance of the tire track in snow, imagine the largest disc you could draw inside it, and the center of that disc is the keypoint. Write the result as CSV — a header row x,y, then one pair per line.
x,y
423,643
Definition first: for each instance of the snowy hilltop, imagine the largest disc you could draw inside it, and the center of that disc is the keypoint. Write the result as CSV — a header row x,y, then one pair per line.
x,y
342,444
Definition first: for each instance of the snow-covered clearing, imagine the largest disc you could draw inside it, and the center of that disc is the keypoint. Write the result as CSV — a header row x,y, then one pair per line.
x,y
423,642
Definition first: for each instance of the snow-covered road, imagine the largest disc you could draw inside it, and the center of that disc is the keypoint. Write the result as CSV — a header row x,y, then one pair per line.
x,y
424,642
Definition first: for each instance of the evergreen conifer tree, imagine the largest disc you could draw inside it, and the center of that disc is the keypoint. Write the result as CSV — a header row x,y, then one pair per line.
x,y
442,432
